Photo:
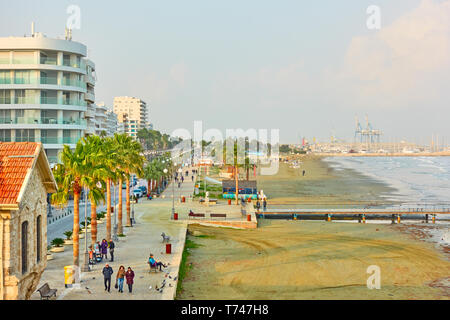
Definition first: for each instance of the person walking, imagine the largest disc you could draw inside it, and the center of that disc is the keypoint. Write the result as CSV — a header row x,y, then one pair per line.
x,y
129,275
120,278
107,272
264,204
111,249
104,248
192,178
258,205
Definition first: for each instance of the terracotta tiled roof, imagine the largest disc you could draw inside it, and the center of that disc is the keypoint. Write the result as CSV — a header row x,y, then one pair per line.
x,y
16,158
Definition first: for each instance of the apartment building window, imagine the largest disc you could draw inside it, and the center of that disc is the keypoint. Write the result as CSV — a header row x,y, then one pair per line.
x,y
5,77
22,77
5,135
66,60
24,135
5,96
20,96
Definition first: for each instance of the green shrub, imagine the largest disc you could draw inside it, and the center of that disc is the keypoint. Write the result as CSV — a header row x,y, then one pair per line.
x,y
57,242
68,234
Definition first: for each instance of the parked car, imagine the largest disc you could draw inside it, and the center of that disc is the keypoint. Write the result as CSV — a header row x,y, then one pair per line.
x,y
137,193
144,189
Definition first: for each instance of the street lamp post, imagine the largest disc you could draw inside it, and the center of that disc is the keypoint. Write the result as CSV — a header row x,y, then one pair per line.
x,y
86,253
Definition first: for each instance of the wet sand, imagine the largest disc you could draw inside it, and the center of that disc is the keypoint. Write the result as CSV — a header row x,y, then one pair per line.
x,y
322,186
313,260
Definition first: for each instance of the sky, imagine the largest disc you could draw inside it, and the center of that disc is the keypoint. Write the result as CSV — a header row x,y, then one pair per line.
x,y
306,68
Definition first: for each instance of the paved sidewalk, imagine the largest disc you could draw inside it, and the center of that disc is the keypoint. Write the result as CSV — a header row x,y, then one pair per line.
x,y
152,218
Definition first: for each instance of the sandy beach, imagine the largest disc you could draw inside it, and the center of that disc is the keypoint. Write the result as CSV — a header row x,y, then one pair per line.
x,y
313,260
317,259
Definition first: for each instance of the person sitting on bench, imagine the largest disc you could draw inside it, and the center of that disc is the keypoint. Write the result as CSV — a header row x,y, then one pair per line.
x,y
153,263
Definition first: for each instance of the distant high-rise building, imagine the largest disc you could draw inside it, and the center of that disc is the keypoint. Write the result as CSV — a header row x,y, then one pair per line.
x,y
131,113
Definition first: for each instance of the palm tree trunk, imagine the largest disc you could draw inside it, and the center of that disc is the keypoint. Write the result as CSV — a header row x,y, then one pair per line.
x,y
149,185
108,209
248,169
127,198
76,228
93,222
119,210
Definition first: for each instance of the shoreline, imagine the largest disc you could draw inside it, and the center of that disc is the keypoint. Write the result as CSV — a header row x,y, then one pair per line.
x,y
325,186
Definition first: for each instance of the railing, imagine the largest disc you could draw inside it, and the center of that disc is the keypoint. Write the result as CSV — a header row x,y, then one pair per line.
x,y
44,61
44,80
51,61
73,83
42,120
45,140
58,140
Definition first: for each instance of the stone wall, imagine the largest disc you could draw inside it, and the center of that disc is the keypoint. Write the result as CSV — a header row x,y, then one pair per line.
x,y
17,285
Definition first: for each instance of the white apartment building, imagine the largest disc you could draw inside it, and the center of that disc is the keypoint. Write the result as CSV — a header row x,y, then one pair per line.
x,y
131,113
46,86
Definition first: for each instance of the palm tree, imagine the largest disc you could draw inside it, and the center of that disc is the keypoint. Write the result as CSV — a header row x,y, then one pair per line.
x,y
110,161
70,176
130,161
95,178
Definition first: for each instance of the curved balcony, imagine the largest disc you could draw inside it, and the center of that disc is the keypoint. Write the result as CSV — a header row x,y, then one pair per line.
x,y
43,103
42,123
43,83
43,64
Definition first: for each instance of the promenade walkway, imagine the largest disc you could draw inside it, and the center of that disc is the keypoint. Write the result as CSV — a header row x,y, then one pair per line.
x,y
152,218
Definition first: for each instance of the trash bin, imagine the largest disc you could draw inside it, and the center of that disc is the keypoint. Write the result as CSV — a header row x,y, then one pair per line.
x,y
249,217
168,248
175,216
229,201
68,276
183,199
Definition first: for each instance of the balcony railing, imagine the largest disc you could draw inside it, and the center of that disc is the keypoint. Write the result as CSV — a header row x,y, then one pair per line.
x,y
42,120
44,61
45,140
44,80
51,61
43,100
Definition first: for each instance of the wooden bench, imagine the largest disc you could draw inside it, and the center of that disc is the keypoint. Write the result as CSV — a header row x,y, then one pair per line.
x,y
213,201
46,292
218,215
196,215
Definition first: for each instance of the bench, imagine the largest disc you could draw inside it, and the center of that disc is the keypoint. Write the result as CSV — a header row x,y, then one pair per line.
x,y
218,215
196,215
153,268
214,201
46,292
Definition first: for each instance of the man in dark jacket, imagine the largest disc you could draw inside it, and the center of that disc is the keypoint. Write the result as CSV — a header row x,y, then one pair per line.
x,y
107,273
111,250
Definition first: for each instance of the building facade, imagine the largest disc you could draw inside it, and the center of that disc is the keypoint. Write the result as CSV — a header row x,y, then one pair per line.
x,y
25,181
46,92
132,114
